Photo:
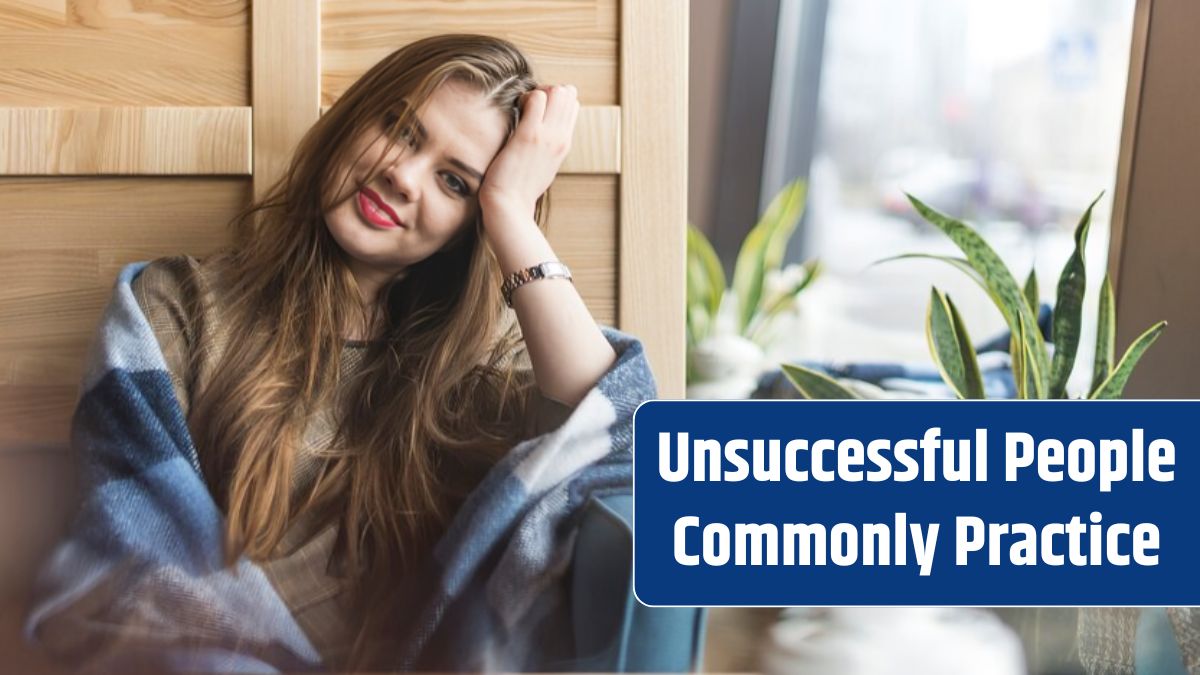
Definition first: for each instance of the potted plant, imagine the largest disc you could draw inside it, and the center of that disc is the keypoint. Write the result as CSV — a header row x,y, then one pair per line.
x,y
1039,372
728,328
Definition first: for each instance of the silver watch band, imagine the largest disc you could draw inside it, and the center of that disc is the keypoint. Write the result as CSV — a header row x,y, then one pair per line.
x,y
552,269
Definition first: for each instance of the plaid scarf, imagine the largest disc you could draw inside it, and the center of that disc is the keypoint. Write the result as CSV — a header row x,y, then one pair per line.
x,y
140,583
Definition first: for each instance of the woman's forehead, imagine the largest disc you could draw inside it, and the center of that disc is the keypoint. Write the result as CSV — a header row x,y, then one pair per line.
x,y
460,119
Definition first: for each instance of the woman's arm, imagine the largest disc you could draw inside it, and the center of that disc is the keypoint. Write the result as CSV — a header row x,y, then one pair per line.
x,y
568,352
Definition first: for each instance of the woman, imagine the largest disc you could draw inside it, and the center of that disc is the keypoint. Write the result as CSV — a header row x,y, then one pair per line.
x,y
347,369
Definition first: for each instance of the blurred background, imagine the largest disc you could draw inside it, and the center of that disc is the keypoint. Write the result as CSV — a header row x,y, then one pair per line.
x,y
1007,115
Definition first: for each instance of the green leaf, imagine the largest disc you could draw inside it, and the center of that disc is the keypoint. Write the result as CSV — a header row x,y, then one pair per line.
x,y
699,323
1068,309
814,385
1106,336
1002,288
1114,385
1016,352
812,270
943,343
763,250
973,378
1023,375
961,264
1031,292
705,276
1035,369
951,347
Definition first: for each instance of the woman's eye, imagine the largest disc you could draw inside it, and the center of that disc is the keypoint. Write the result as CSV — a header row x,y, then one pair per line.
x,y
456,184
405,133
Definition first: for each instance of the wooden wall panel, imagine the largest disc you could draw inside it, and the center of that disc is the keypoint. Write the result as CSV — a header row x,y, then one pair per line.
x,y
140,13
124,53
653,207
568,41
583,231
62,241
596,145
125,141
287,81
33,14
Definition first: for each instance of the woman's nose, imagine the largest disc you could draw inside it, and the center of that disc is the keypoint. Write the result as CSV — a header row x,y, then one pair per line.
x,y
403,177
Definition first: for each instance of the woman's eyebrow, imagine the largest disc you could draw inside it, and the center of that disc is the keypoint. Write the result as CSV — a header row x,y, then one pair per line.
x,y
460,164
423,133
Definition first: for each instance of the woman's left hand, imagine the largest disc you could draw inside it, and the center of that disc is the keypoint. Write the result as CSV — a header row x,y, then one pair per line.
x,y
528,162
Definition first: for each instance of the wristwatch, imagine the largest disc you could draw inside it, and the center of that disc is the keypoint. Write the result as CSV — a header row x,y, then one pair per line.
x,y
546,270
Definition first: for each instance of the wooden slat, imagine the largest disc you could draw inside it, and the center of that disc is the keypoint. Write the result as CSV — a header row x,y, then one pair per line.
x,y
654,76
124,141
79,48
286,76
583,232
170,65
141,216
33,13
596,145
130,13
566,41
64,88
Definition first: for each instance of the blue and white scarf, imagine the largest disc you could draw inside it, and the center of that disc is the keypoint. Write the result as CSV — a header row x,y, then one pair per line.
x,y
140,580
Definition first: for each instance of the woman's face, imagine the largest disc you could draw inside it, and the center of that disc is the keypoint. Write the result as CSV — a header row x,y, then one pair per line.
x,y
426,191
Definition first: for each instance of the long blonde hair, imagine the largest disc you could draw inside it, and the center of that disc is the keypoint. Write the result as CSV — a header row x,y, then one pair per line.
x,y
434,403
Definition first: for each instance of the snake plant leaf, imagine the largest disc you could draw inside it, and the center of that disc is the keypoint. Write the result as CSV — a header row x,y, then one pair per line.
x,y
764,248
1114,385
705,276
943,343
1068,309
1003,288
1023,375
973,378
961,264
1037,365
1016,352
951,347
1031,292
814,385
1106,336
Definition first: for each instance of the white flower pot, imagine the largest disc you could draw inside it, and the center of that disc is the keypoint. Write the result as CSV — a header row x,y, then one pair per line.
x,y
725,367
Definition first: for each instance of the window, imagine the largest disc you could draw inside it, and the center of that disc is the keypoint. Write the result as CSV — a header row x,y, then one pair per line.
x,y
1007,115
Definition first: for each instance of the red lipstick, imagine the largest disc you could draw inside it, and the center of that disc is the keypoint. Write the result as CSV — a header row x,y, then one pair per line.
x,y
376,211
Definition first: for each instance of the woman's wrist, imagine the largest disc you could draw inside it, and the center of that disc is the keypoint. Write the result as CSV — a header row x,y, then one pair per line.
x,y
498,206
515,239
